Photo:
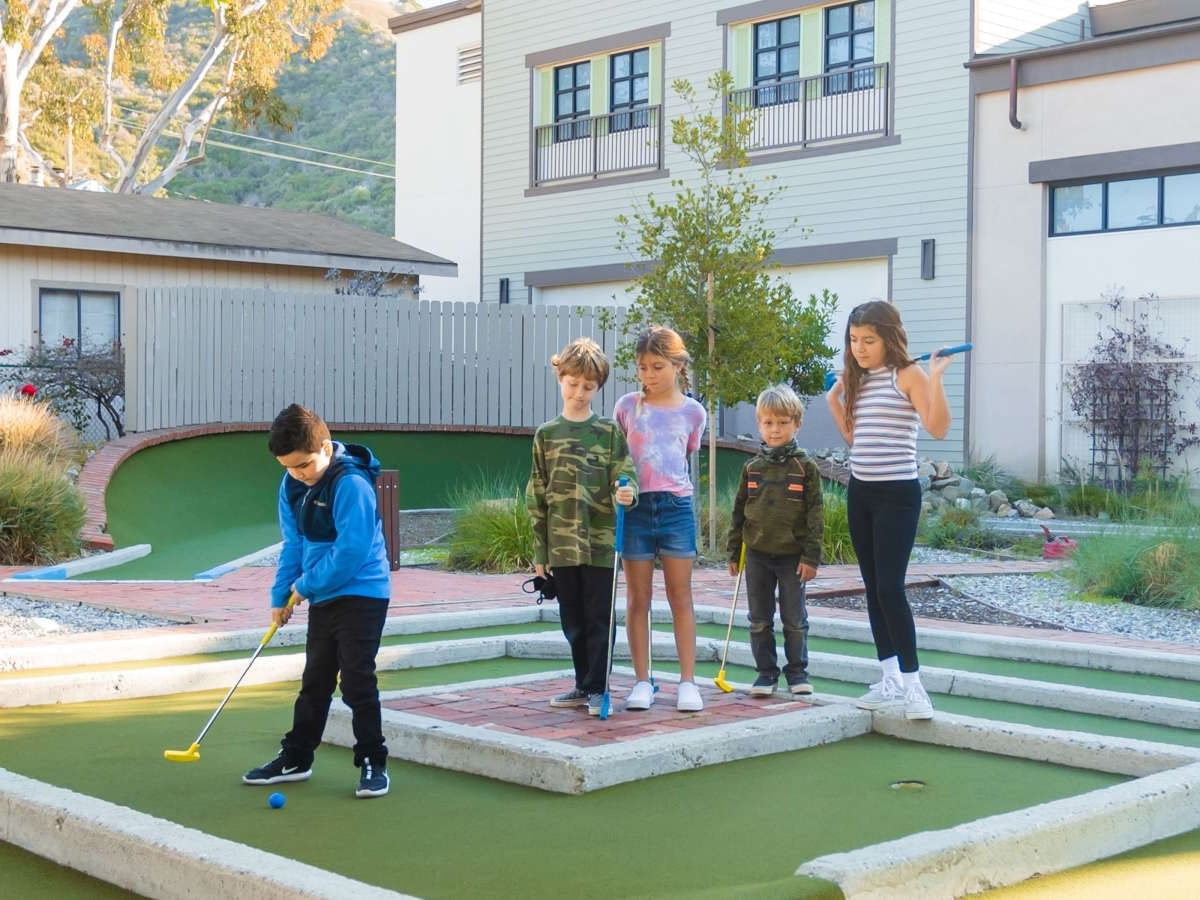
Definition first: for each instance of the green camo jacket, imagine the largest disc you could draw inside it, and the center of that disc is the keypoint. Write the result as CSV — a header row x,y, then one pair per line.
x,y
570,490
778,509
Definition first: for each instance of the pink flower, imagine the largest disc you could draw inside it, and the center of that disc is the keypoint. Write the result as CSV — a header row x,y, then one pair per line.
x,y
28,390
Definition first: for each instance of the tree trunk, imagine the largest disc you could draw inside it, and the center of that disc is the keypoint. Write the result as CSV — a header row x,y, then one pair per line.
x,y
712,426
9,138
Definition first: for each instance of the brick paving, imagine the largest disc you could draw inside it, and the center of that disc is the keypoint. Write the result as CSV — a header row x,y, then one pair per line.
x,y
524,709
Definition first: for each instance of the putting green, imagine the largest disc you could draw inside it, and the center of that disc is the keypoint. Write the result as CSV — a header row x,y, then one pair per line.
x,y
204,501
30,877
739,828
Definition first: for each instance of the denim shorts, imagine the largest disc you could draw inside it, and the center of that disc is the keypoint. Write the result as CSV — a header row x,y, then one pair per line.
x,y
662,524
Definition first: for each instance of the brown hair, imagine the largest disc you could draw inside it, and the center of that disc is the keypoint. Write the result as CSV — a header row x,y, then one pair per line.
x,y
883,317
582,358
659,340
297,428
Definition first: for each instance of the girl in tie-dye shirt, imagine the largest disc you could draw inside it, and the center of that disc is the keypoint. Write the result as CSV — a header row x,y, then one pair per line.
x,y
663,427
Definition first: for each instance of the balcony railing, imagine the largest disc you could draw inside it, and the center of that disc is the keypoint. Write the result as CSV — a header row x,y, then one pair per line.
x,y
819,109
591,147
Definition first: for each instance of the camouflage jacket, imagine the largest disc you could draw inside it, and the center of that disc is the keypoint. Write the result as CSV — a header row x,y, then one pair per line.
x,y
570,490
779,509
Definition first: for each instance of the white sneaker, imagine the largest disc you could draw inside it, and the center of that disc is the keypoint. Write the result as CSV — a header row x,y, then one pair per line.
x,y
689,699
641,697
884,693
917,704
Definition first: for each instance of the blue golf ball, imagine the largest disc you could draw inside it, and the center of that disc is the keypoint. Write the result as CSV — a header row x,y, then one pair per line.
x,y
277,800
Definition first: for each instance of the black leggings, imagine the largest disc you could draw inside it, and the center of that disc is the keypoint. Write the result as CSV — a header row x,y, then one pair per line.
x,y
883,526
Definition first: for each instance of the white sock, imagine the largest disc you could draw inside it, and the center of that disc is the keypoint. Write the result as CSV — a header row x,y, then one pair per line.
x,y
891,667
910,678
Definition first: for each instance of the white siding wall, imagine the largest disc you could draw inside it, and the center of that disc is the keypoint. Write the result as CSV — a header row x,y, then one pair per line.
x,y
20,267
437,153
911,191
1009,26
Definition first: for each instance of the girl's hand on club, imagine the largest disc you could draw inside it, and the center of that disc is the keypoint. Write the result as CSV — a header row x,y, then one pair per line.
x,y
839,386
539,570
806,572
625,495
938,363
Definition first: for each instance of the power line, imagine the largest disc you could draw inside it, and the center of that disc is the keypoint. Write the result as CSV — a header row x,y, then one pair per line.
x,y
267,153
254,137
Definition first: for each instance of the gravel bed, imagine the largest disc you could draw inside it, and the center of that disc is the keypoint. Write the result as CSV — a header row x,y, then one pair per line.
x,y
944,603
1051,598
23,617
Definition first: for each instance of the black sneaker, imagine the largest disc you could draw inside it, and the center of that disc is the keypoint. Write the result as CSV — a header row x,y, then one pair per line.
x,y
764,686
798,684
572,698
374,781
278,770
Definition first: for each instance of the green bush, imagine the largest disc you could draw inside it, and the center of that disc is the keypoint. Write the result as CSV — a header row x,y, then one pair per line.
x,y
41,511
952,528
726,494
990,475
1150,570
1041,494
493,535
27,425
835,542
1086,499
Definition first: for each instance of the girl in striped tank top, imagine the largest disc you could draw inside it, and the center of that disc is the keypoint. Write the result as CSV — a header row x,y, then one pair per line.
x,y
877,403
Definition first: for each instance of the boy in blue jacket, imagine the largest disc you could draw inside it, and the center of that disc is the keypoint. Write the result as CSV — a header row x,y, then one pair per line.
x,y
334,557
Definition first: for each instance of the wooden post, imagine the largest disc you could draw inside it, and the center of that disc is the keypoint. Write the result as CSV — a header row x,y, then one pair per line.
x,y
387,500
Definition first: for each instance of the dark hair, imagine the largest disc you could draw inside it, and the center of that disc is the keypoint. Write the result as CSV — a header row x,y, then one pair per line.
x,y
297,428
883,317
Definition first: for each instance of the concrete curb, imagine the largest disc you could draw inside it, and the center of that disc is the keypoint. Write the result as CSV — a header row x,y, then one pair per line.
x,y
564,768
1009,848
225,568
87,564
165,646
154,857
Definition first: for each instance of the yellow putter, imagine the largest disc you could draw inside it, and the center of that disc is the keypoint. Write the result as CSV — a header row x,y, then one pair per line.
x,y
720,681
192,753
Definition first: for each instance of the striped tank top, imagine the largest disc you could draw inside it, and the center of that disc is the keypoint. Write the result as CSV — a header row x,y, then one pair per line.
x,y
885,430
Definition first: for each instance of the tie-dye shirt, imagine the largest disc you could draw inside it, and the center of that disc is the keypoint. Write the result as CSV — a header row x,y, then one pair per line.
x,y
660,440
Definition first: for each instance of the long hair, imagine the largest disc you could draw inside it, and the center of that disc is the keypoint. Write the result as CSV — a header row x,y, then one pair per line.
x,y
883,317
659,340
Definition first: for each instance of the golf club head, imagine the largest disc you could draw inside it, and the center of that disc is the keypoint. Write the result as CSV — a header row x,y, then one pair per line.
x,y
191,754
720,682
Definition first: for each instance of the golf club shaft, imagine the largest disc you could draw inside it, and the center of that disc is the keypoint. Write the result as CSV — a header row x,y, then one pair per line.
x,y
618,542
831,377
737,586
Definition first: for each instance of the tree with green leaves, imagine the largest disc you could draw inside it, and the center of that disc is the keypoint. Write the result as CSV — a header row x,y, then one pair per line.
x,y
710,278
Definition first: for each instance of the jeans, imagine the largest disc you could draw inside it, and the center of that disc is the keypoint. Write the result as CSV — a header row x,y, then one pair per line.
x,y
343,636
763,573
661,524
585,611
883,526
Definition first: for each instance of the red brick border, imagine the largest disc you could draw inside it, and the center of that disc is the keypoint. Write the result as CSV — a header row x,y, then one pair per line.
x,y
99,470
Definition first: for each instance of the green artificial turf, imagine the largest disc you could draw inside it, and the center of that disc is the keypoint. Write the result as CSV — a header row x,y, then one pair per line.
x,y
736,829
204,501
27,876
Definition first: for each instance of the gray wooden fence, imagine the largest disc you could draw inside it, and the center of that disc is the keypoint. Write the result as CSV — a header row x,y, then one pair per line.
x,y
203,355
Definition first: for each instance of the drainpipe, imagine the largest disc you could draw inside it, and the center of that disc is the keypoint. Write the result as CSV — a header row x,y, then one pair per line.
x,y
1012,95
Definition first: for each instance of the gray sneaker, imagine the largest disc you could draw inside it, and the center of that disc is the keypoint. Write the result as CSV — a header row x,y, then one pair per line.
x,y
884,693
571,699
594,702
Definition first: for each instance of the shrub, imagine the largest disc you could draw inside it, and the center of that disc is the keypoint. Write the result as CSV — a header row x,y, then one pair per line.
x,y
990,475
1041,494
27,425
835,542
726,495
41,511
493,535
1086,499
1151,570
952,528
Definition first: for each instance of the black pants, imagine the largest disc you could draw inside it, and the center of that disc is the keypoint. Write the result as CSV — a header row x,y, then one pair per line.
x,y
343,636
883,526
764,573
584,605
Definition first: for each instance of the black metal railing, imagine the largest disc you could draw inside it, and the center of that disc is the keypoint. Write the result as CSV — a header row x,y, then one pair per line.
x,y
594,146
799,112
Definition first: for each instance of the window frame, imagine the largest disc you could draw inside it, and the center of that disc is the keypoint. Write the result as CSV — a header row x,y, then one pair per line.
x,y
781,94
861,80
569,127
41,287
1160,178
623,116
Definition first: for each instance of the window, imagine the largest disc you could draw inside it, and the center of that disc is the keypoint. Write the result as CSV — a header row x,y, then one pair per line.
x,y
629,87
850,44
776,61
90,319
1121,204
573,100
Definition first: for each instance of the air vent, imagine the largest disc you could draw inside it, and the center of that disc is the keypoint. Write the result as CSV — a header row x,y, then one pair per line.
x,y
470,63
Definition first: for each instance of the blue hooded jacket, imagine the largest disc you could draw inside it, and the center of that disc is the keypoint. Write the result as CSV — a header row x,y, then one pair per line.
x,y
332,538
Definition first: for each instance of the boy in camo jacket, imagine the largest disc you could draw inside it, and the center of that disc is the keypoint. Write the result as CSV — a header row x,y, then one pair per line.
x,y
578,458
